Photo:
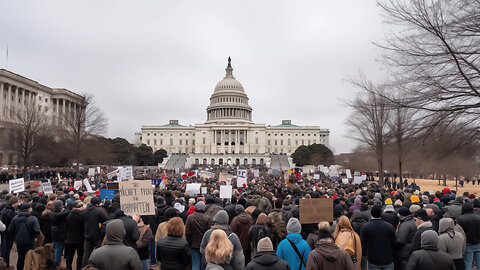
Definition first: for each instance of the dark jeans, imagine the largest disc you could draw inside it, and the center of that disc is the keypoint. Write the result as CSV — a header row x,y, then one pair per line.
x,y
89,246
248,256
22,251
71,249
7,243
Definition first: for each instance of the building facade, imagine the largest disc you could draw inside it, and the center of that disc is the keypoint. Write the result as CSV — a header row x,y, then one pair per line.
x,y
18,92
229,133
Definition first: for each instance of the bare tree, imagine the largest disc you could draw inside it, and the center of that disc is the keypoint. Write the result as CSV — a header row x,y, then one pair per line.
x,y
369,121
86,121
31,127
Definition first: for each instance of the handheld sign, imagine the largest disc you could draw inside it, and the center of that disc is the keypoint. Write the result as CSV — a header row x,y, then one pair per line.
x,y
106,194
226,192
16,185
193,189
136,197
87,185
241,178
47,188
77,184
316,210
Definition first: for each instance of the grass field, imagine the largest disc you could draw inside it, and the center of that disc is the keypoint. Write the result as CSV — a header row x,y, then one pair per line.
x,y
427,184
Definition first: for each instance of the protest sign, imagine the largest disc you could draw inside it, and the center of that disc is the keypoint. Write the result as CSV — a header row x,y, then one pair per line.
x,y
98,169
226,192
242,173
256,173
316,176
87,185
316,210
47,188
357,179
77,184
204,190
136,197
193,189
364,177
16,185
112,185
223,177
345,180
112,174
125,173
349,173
241,178
106,194
91,171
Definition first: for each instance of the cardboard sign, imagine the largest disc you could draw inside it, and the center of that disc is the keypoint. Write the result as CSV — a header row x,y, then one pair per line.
x,y
47,188
223,177
316,176
77,184
91,171
136,197
87,185
364,177
16,185
193,189
226,192
106,194
316,210
112,185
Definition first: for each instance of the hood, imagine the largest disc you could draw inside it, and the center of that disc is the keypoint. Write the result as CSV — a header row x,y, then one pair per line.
x,y
115,231
294,237
357,202
266,258
244,217
90,207
328,250
445,225
287,207
356,215
429,240
458,200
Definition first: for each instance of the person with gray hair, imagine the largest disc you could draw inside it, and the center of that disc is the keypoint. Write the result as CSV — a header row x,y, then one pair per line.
x,y
429,257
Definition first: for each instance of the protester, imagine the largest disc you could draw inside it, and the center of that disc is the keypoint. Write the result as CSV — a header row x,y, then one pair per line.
x,y
162,227
143,242
378,237
452,242
173,252
429,257
58,219
7,214
294,250
405,232
195,227
240,226
94,217
259,231
265,257
327,255
277,223
470,224
74,240
24,227
115,255
45,225
347,239
422,221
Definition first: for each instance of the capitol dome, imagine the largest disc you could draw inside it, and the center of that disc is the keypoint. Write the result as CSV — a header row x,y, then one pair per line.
x,y
229,103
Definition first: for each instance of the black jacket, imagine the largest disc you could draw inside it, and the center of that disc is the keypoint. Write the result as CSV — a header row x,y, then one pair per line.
x,y
406,231
7,214
131,228
267,260
230,209
45,227
416,241
25,227
75,227
470,224
93,217
391,218
379,238
173,252
57,223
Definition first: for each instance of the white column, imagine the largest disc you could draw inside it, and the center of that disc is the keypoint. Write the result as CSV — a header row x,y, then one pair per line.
x,y
2,85
64,113
58,112
9,100
22,100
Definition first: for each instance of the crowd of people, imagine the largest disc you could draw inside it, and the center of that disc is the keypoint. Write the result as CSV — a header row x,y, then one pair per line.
x,y
257,228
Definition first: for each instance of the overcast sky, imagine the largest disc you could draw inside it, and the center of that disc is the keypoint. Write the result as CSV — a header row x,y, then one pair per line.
x,y
150,61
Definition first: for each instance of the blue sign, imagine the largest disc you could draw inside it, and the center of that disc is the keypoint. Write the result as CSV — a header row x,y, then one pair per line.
x,y
106,194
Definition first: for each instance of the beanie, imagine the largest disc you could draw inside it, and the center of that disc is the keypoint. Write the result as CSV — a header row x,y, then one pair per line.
x,y
414,199
414,208
221,218
421,214
293,226
95,201
24,207
376,211
239,209
398,203
264,244
200,207
403,211
389,208
388,201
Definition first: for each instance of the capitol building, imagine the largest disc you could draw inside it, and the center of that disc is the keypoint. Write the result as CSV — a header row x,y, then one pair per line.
x,y
229,136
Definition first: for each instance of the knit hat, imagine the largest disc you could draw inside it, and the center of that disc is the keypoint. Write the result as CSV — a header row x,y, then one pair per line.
x,y
191,201
445,190
398,202
221,218
293,226
421,214
388,201
471,196
414,199
414,208
179,207
376,211
239,209
95,201
57,206
436,199
264,244
200,207
403,211
389,208
425,199
25,206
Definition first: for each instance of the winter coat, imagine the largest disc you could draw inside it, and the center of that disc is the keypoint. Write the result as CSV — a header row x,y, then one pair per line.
x,y
212,266
230,209
7,214
115,255
286,252
131,228
416,241
25,227
287,212
173,252
450,241
240,226
238,258
45,227
357,221
256,233
75,227
379,239
391,218
267,260
470,223
278,226
57,223
343,240
37,259
429,257
455,210
327,256
356,205
143,242
197,224
406,231
94,217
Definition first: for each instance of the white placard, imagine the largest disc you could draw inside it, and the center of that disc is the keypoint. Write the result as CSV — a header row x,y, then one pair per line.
x,y
345,180
204,190
193,189
357,179
226,192
47,188
111,174
16,185
256,173
241,178
364,177
87,185
316,176
349,173
98,169
77,184
241,182
91,171
242,173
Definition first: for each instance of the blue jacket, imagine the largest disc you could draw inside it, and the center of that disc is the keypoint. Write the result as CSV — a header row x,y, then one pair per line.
x,y
286,252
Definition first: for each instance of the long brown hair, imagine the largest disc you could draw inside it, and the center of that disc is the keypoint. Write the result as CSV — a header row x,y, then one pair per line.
x,y
343,223
48,208
219,249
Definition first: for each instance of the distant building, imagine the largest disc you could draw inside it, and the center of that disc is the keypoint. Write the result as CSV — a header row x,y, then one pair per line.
x,y
229,136
15,91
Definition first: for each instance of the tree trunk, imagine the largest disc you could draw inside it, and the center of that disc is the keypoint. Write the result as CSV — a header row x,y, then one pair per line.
x,y
400,172
444,180
381,177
